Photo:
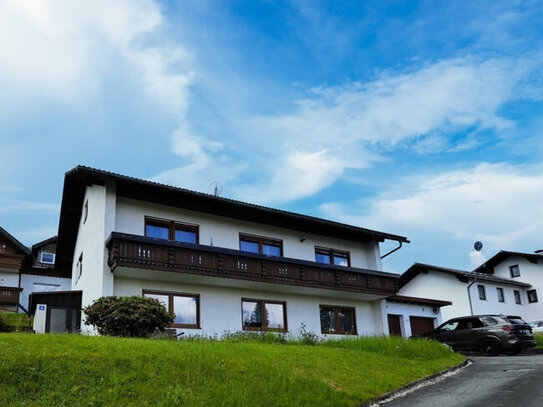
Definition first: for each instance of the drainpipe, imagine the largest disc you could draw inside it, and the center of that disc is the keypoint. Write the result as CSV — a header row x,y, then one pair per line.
x,y
469,296
393,250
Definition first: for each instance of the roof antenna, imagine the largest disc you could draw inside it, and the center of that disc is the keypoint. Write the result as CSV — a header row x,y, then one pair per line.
x,y
215,188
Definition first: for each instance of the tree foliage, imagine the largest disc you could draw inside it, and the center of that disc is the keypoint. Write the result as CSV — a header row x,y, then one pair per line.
x,y
127,316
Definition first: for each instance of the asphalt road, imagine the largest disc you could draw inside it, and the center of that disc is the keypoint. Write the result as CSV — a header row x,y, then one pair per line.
x,y
489,382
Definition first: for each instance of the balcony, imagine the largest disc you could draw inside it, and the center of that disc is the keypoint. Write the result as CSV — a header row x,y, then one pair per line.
x,y
9,295
155,254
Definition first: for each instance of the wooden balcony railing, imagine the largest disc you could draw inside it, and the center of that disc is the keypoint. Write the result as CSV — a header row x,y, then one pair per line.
x,y
156,254
9,295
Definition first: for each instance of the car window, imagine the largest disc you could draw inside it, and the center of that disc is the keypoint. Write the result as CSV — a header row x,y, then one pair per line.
x,y
449,326
490,320
516,320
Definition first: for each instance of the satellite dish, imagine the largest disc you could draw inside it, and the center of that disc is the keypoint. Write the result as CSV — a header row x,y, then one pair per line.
x,y
215,188
478,246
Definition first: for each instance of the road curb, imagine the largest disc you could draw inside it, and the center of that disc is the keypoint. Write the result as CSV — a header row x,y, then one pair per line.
x,y
402,391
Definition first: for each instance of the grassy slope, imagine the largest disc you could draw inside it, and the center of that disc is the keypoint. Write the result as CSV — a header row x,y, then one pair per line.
x,y
68,370
539,338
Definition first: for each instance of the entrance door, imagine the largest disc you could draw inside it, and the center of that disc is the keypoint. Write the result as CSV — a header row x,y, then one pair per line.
x,y
421,325
394,326
62,320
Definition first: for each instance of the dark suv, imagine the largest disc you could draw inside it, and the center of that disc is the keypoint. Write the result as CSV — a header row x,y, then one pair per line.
x,y
488,334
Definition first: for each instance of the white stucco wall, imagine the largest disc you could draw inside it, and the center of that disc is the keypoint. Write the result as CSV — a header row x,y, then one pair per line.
x,y
28,281
220,307
224,232
531,273
440,286
96,279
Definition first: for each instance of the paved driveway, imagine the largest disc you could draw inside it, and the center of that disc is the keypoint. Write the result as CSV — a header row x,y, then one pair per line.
x,y
489,382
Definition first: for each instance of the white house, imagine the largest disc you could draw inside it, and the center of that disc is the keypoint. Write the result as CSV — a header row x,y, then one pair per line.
x,y
526,267
218,264
474,292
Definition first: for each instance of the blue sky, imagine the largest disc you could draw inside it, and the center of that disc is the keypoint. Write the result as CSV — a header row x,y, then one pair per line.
x,y
421,119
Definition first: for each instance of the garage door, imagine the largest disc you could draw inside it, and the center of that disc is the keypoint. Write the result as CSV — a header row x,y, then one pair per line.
x,y
420,325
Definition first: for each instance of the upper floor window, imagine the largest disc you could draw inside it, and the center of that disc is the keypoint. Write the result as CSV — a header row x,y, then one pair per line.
x,y
532,295
264,315
501,297
261,245
184,307
48,258
514,270
170,230
516,293
332,256
482,292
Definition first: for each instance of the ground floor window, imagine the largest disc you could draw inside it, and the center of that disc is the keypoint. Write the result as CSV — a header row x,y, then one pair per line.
x,y
337,320
264,315
184,307
517,297
482,293
501,297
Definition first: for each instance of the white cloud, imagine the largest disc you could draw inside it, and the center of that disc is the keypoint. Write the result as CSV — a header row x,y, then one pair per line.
x,y
497,204
64,49
13,206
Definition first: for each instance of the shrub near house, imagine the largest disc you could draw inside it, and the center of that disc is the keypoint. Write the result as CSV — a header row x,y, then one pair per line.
x,y
127,316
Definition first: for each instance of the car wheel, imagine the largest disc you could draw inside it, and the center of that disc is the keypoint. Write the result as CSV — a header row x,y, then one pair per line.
x,y
489,347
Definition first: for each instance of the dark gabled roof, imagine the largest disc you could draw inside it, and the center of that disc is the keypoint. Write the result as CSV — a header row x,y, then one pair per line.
x,y
44,243
488,266
461,275
417,300
76,180
15,242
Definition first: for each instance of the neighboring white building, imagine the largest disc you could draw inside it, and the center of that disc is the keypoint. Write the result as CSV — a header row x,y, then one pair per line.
x,y
525,267
218,264
474,292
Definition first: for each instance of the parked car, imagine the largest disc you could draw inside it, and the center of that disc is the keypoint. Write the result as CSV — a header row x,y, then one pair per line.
x,y
488,334
537,326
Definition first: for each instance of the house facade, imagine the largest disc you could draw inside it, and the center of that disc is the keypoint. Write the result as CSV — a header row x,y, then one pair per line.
x,y
520,267
13,257
220,265
470,292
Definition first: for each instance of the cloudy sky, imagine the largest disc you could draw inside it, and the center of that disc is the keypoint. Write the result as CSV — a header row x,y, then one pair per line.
x,y
422,119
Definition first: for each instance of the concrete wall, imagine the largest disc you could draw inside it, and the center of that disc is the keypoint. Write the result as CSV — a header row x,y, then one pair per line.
x,y
224,232
220,307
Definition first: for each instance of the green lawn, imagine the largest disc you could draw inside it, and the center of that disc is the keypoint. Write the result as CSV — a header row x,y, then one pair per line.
x,y
73,370
539,339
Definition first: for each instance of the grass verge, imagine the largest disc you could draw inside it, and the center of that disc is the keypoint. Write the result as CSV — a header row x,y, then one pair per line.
x,y
17,321
539,339
68,370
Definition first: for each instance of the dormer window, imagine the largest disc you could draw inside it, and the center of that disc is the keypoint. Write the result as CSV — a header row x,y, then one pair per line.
x,y
47,258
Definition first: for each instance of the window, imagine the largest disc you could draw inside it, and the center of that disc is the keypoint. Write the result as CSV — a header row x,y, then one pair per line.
x,y
86,211
184,307
516,293
532,295
169,230
482,293
332,256
263,315
514,270
501,298
337,320
48,258
261,245
79,267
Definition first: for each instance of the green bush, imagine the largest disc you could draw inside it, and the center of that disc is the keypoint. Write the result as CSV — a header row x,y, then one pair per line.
x,y
4,327
127,316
